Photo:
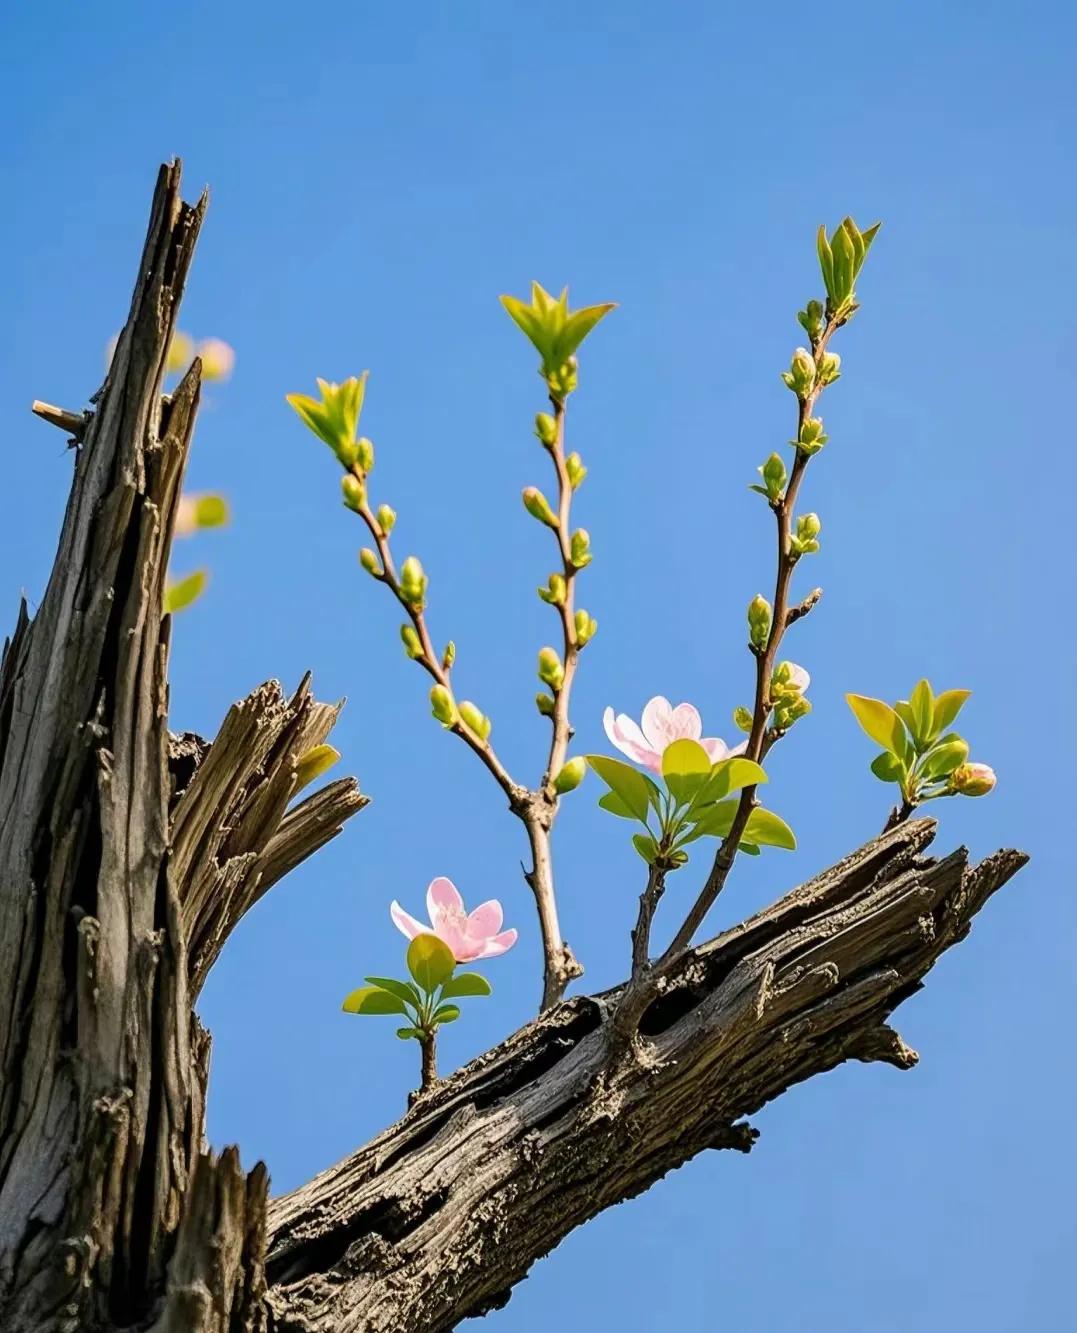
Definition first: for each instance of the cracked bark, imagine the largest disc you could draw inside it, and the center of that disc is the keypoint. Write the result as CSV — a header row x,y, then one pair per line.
x,y
127,857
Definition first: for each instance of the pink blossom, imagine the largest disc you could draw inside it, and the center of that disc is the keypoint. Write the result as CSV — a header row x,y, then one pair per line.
x,y
661,725
469,936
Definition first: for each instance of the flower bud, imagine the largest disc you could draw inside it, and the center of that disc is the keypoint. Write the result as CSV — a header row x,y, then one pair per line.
x,y
556,590
369,560
774,476
386,517
353,492
550,670
538,506
811,438
474,720
570,776
413,583
586,627
973,779
760,616
800,377
576,470
448,657
544,704
364,453
443,705
829,368
579,548
411,641
546,429
742,720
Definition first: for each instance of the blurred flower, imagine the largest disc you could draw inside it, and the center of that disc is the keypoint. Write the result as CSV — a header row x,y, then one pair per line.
x,y
468,936
218,358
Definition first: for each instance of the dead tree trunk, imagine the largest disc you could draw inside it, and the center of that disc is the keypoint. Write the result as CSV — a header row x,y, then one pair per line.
x,y
127,855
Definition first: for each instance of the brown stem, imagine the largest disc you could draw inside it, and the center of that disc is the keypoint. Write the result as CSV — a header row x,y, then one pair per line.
x,y
765,660
559,963
428,1044
648,905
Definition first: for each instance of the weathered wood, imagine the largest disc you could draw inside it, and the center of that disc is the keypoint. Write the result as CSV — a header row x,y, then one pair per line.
x,y
438,1217
127,857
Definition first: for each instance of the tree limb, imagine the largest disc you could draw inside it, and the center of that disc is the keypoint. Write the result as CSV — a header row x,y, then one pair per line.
x,y
439,1216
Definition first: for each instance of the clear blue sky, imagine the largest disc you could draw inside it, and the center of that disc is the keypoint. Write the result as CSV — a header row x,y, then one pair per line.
x,y
379,174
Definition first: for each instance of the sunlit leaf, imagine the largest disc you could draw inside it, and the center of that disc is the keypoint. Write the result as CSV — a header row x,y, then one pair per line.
x,y
403,990
629,783
766,829
879,721
947,706
730,775
446,1013
465,983
373,1000
430,961
317,760
685,767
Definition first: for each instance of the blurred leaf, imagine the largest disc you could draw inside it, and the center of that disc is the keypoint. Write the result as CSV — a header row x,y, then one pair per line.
x,y
466,983
184,592
430,961
373,1000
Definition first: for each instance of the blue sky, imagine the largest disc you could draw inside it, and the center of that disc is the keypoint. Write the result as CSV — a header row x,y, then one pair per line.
x,y
379,174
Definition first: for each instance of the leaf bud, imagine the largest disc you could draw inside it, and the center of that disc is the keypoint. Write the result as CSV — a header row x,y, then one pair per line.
x,y
544,704
411,641
538,506
550,670
386,517
474,719
369,560
811,319
448,657
575,469
800,377
443,705
760,616
364,453
580,548
811,438
774,476
570,776
353,492
586,627
546,429
742,720
829,368
556,590
413,583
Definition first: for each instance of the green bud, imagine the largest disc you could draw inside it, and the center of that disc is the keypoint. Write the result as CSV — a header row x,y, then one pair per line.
x,y
546,429
353,492
564,380
544,704
443,705
840,260
550,670
829,368
386,517
811,319
803,541
413,583
348,452
364,453
800,377
760,616
538,506
369,560
576,471
556,590
790,711
474,720
411,641
774,476
448,657
742,720
586,627
579,548
570,776
811,438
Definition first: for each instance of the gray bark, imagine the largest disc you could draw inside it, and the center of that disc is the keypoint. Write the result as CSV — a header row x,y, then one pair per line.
x,y
127,857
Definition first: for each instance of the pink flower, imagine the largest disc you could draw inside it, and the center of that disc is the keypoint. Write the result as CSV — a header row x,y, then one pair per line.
x,y
469,936
662,724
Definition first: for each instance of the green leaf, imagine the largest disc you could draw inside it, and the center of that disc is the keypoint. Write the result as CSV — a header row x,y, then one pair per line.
x,y
315,416
430,962
531,324
714,821
446,1013
922,704
465,983
767,829
943,757
210,511
403,990
729,775
578,325
646,846
685,767
629,784
186,591
613,803
405,1033
826,260
947,706
748,848
373,1000
888,767
879,721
